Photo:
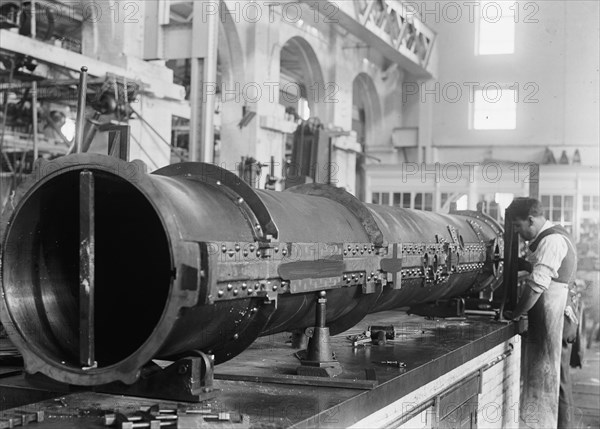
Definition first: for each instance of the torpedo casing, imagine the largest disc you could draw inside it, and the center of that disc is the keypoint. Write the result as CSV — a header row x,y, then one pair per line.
x,y
191,258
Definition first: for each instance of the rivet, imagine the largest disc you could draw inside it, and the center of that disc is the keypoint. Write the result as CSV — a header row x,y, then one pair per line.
x,y
221,293
240,200
258,253
276,249
345,252
274,287
252,247
284,252
245,253
353,276
223,248
235,292
218,182
254,310
256,286
344,276
237,247
231,253
354,251
229,286
361,275
236,336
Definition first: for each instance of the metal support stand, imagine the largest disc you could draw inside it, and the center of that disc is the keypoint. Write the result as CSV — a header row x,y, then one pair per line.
x,y
189,379
318,360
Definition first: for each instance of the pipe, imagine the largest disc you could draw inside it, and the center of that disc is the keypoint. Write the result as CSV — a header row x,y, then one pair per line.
x,y
192,258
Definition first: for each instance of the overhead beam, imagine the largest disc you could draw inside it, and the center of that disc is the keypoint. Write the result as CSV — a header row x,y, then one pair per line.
x,y
73,61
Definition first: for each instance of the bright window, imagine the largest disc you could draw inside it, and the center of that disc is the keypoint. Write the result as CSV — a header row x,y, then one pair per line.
x,y
407,200
559,209
591,203
494,108
496,29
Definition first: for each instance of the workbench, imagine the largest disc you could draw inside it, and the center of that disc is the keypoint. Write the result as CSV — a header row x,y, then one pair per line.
x,y
446,362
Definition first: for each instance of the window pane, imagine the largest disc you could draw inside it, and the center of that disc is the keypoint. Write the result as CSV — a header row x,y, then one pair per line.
x,y
419,201
429,201
568,215
496,28
406,200
556,215
546,202
586,202
556,202
375,198
443,198
385,198
397,199
568,203
494,108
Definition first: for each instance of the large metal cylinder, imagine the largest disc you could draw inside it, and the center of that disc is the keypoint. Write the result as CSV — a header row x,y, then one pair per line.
x,y
102,262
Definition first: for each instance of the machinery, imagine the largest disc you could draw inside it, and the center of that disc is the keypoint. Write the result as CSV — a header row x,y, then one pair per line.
x,y
106,267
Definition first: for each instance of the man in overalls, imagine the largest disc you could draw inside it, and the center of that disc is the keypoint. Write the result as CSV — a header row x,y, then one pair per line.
x,y
547,396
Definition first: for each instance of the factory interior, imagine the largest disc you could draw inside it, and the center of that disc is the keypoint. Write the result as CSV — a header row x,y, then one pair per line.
x,y
291,213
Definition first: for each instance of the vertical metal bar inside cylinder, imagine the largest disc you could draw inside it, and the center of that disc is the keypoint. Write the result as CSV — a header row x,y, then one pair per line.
x,y
86,269
80,125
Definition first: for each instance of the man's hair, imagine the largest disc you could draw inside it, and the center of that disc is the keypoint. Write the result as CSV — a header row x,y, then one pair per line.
x,y
523,207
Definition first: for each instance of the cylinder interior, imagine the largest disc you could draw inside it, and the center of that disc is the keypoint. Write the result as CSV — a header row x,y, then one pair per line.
x,y
41,268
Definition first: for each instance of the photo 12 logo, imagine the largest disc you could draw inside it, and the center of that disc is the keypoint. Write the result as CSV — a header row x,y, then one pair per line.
x,y
490,12
454,172
270,11
454,92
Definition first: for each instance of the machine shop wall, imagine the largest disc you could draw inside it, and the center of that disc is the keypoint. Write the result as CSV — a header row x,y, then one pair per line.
x,y
554,92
